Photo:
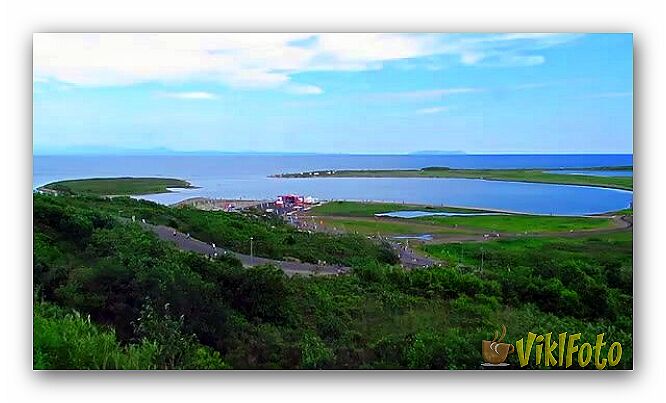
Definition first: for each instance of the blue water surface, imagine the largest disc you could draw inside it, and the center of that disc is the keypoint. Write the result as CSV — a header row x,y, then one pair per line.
x,y
247,176
592,172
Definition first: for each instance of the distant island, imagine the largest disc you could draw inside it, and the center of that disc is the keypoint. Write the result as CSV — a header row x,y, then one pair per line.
x,y
126,186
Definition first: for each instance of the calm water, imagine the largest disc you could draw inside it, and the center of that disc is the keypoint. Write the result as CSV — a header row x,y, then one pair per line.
x,y
592,173
246,176
417,214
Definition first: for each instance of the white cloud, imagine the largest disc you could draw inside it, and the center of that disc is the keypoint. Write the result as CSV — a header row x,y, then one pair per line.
x,y
189,95
425,94
305,89
434,109
506,50
262,60
471,57
366,48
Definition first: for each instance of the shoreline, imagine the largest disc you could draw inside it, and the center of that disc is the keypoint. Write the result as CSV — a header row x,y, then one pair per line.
x,y
216,204
416,205
224,203
381,175
604,214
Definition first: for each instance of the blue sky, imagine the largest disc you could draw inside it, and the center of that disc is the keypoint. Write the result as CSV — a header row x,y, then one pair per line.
x,y
333,93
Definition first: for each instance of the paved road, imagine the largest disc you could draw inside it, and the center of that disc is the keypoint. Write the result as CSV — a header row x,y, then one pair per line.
x,y
409,258
194,245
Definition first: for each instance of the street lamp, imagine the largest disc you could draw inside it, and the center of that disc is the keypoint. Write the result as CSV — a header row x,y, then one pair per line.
x,y
251,254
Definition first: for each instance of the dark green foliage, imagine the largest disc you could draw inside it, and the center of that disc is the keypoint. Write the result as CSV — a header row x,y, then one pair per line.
x,y
435,169
63,340
66,340
176,349
153,306
117,186
272,237
587,278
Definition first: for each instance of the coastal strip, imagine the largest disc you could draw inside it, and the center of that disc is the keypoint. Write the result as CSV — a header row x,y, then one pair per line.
x,y
532,175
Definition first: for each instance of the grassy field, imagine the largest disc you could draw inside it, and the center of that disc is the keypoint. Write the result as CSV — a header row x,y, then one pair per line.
x,y
369,209
117,186
516,175
360,217
373,226
615,246
520,223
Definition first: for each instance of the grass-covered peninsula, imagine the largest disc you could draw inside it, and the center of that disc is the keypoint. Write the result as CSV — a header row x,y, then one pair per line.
x,y
514,175
116,186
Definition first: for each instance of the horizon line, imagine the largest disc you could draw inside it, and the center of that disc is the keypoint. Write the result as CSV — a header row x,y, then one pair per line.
x,y
147,153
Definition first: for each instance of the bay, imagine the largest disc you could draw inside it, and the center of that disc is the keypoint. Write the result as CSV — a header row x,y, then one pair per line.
x,y
247,177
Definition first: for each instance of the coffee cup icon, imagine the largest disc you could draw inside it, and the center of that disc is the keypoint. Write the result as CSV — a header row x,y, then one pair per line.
x,y
494,351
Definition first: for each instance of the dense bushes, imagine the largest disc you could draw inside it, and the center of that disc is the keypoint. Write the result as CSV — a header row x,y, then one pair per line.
x,y
272,238
66,340
153,306
589,278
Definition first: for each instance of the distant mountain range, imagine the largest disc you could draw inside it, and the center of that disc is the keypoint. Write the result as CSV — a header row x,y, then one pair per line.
x,y
437,152
97,150
101,150
120,151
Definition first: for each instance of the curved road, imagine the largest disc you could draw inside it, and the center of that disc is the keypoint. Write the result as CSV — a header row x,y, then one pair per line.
x,y
184,242
410,259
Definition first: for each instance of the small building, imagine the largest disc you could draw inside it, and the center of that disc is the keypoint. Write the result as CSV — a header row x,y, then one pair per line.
x,y
290,200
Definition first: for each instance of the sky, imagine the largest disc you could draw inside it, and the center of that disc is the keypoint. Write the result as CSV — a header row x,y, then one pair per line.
x,y
333,93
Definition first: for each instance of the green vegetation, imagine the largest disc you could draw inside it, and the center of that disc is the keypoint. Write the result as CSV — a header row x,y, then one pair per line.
x,y
520,223
65,340
506,224
591,276
117,186
360,217
272,238
152,306
369,209
603,168
515,175
384,226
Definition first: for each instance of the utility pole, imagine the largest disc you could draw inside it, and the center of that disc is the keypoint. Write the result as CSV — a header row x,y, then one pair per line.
x,y
482,253
251,251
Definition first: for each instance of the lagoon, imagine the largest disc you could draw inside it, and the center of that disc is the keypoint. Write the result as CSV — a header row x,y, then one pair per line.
x,y
418,214
591,172
246,177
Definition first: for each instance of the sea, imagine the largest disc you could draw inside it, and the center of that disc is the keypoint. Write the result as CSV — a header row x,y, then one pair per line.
x,y
248,176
